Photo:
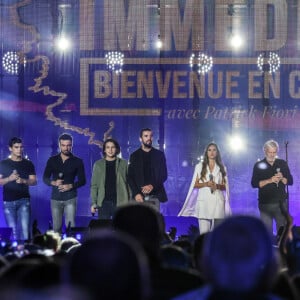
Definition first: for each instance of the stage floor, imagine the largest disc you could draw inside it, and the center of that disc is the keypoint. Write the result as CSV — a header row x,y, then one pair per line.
x,y
182,224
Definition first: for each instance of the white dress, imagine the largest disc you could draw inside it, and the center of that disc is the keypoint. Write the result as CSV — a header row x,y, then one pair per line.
x,y
202,203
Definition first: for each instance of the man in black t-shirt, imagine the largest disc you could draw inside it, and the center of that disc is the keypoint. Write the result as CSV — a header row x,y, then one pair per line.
x,y
16,175
270,176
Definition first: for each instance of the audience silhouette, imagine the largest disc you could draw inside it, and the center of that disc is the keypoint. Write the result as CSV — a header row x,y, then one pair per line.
x,y
109,265
238,261
145,224
135,258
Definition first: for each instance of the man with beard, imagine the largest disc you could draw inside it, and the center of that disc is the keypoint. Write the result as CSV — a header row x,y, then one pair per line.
x,y
147,172
65,173
16,175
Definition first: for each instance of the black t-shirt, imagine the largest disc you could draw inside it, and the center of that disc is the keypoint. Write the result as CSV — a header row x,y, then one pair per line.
x,y
271,193
110,181
12,190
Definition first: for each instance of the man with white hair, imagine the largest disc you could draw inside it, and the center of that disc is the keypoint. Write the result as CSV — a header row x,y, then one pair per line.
x,y
271,176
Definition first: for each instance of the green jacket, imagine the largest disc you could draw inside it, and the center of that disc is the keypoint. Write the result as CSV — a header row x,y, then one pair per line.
x,y
98,182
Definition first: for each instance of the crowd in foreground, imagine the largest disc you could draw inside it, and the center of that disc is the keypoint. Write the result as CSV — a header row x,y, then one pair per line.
x,y
134,258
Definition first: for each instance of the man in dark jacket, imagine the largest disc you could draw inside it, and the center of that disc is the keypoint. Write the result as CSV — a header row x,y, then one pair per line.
x,y
147,172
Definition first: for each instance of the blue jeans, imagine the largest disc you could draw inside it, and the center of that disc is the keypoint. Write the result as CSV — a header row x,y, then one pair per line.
x,y
59,208
17,215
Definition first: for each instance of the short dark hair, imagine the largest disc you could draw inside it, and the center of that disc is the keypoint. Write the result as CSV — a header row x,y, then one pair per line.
x,y
111,141
144,129
14,140
65,137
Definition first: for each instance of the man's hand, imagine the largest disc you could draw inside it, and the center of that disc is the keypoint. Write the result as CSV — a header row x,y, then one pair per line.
x,y
139,198
65,187
147,189
14,176
94,209
21,181
57,182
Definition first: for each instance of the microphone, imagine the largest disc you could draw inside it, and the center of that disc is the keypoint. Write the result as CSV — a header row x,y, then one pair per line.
x,y
68,229
50,226
277,171
15,172
96,208
60,177
211,177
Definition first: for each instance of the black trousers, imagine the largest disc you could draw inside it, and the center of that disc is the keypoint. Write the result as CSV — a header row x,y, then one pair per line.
x,y
107,210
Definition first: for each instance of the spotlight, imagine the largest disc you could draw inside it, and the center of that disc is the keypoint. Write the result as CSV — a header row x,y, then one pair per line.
x,y
115,61
78,236
204,62
63,44
11,62
236,41
272,61
159,43
184,163
201,158
14,244
236,143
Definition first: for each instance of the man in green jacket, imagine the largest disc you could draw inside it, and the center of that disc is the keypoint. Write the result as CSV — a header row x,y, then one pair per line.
x,y
109,187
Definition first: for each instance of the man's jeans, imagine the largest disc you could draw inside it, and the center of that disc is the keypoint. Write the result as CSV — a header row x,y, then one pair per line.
x,y
59,208
273,211
17,215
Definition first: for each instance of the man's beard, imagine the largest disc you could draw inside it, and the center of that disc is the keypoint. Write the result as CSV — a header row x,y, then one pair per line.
x,y
149,145
66,153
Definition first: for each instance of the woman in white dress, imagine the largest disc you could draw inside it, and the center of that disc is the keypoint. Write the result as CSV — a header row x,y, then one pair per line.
x,y
208,195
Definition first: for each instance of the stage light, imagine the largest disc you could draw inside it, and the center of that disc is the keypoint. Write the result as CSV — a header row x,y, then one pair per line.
x,y
268,62
200,158
159,43
11,61
184,163
236,41
78,236
236,143
203,62
63,43
115,61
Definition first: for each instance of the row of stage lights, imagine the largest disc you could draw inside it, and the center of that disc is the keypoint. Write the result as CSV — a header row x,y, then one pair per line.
x,y
202,63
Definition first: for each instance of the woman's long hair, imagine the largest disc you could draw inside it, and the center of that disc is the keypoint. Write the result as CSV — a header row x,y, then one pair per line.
x,y
218,162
